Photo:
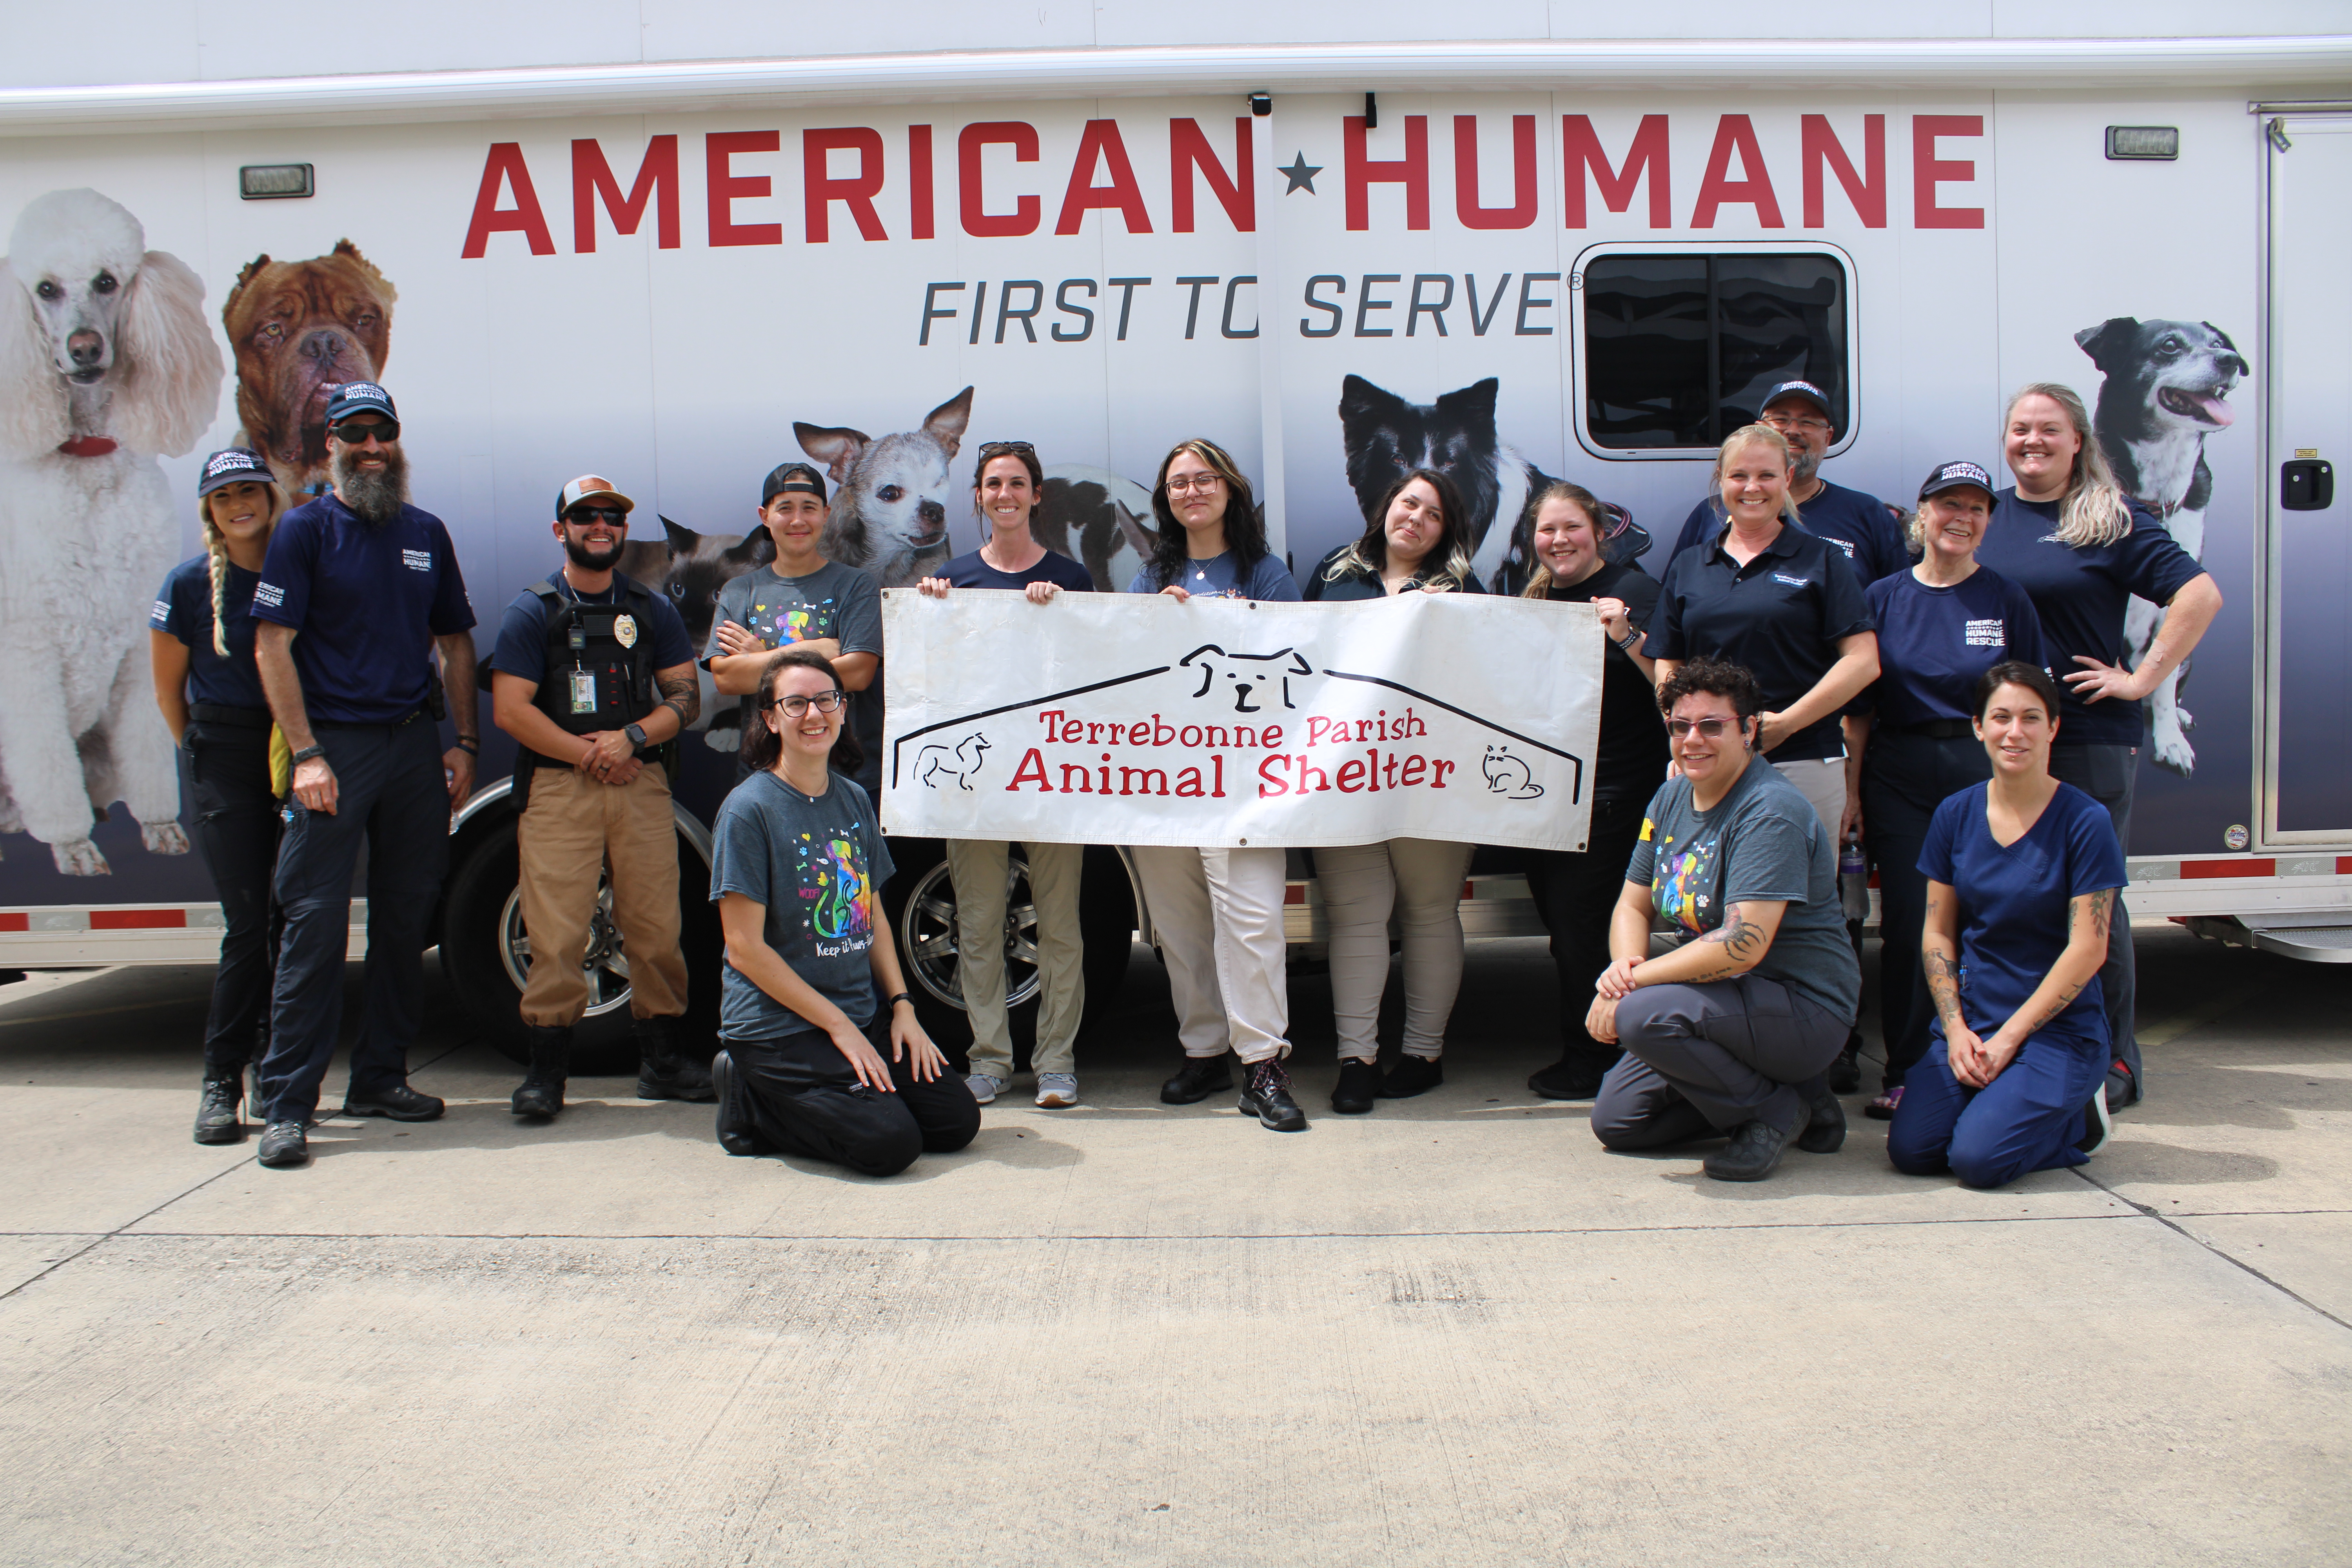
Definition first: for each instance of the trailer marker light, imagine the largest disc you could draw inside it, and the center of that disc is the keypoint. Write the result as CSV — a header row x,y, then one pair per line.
x,y
2137,143
271,182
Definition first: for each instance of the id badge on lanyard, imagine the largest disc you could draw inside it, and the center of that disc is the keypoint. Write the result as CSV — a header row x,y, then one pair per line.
x,y
583,692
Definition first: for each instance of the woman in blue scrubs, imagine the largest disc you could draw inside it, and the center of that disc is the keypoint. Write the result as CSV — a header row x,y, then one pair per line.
x,y
2023,873
1941,625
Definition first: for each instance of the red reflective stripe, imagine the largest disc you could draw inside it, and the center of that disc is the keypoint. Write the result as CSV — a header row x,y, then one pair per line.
x,y
2194,870
1468,892
2344,865
136,920
1295,893
16,921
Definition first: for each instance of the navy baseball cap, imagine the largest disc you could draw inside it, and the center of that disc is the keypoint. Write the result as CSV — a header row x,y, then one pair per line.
x,y
1956,476
231,465
1804,389
793,477
360,397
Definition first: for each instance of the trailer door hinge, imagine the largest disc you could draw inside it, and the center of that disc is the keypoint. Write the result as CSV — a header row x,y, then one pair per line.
x,y
2276,131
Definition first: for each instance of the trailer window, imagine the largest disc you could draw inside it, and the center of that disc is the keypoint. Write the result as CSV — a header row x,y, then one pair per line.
x,y
1680,349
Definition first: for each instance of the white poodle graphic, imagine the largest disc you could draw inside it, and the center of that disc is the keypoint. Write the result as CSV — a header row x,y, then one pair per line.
x,y
106,360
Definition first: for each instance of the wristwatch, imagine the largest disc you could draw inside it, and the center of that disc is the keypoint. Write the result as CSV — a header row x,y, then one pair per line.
x,y
636,734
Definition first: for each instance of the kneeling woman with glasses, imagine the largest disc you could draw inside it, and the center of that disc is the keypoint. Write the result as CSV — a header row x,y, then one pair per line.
x,y
797,871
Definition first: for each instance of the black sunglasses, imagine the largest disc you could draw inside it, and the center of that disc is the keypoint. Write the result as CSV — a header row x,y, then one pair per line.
x,y
998,448
582,516
356,433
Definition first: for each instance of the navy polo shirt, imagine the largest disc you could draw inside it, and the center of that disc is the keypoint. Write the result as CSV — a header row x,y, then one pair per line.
x,y
1935,644
1854,521
972,572
521,649
2081,596
1780,616
366,603
184,609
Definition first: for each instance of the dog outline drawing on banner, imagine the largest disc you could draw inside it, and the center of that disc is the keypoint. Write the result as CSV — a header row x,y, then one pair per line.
x,y
1508,776
960,763
1245,688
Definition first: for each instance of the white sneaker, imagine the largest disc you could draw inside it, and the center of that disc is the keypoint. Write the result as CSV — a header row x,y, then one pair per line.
x,y
1057,1089
2097,1125
983,1087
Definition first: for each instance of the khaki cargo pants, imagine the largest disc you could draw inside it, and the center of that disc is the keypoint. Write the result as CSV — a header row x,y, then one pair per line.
x,y
572,828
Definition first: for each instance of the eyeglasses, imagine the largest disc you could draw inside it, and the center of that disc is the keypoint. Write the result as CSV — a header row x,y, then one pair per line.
x,y
797,706
999,449
1203,483
1810,424
355,433
582,516
1708,728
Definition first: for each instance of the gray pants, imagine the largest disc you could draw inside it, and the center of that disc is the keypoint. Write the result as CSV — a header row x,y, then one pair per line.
x,y
1701,1061
1420,879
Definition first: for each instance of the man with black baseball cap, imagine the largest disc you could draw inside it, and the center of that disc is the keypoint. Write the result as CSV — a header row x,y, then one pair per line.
x,y
594,676
357,592
1859,524
803,598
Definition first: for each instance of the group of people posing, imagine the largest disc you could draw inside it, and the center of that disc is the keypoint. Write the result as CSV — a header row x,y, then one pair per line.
x,y
1799,675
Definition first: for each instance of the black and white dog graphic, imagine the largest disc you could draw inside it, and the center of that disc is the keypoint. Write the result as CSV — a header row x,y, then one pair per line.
x,y
2168,387
1386,435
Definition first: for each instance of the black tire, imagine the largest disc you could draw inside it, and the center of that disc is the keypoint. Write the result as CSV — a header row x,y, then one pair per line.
x,y
480,914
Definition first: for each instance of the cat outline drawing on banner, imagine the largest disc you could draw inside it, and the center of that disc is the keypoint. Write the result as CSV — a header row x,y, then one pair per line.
x,y
1245,683
1508,776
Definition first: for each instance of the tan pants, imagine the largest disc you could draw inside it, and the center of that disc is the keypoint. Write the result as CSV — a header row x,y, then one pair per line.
x,y
1218,916
979,869
1823,783
1419,881
571,828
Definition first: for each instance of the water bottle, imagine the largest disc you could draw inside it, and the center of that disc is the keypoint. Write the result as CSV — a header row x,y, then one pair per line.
x,y
1854,881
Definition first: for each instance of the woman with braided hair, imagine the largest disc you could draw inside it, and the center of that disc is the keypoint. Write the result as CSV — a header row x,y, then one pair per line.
x,y
200,641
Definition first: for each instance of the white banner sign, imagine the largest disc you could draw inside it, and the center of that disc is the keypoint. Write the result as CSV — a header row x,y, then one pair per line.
x,y
1110,718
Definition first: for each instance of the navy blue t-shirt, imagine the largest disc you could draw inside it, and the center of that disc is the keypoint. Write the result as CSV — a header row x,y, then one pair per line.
x,y
2013,902
1780,616
522,631
184,609
367,601
972,572
1935,644
2081,596
1856,522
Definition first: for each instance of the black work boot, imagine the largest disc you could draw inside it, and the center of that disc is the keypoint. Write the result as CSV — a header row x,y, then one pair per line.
x,y
663,1073
542,1093
216,1119
1267,1097
1845,1073
1200,1078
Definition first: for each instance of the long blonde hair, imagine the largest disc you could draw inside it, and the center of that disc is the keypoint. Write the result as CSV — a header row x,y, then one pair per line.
x,y
1749,436
1577,495
216,547
2093,510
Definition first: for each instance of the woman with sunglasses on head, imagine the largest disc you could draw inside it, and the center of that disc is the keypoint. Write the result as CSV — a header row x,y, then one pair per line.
x,y
1007,487
1413,544
1575,893
2082,550
1732,1033
1942,624
2022,876
200,644
796,869
1218,912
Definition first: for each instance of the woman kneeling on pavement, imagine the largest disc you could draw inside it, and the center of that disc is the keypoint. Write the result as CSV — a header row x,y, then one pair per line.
x,y
797,870
1415,545
2022,874
1732,1033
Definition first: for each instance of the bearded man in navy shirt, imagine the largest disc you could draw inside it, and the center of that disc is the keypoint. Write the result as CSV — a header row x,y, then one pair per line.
x,y
1858,523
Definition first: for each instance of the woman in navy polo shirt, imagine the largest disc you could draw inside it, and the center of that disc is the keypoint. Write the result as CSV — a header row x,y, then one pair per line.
x,y
1941,625
1414,543
2068,535
2022,875
200,643
1781,604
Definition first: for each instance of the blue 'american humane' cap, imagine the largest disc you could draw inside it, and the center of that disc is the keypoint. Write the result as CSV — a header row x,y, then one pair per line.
x,y
360,397
1954,475
230,466
1804,389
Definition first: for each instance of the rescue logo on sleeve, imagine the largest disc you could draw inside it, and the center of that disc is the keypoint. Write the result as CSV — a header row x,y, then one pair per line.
x,y
161,613
417,560
268,594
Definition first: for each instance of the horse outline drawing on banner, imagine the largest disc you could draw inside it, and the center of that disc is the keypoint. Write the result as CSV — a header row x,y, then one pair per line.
x,y
960,762
1245,688
1508,776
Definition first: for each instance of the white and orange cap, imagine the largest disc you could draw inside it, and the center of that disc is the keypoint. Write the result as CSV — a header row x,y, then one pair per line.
x,y
591,487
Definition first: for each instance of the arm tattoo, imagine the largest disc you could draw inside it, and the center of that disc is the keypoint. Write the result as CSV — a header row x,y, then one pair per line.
x,y
1944,985
683,695
2058,1004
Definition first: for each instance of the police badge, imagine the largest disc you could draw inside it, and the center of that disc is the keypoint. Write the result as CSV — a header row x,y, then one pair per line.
x,y
625,630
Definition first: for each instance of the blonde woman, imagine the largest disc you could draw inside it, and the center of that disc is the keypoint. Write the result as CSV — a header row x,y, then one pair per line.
x,y
200,641
2080,548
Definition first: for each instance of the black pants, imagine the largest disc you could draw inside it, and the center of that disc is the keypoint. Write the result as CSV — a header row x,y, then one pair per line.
x,y
2106,775
392,796
237,832
1576,895
1905,777
1703,1060
806,1100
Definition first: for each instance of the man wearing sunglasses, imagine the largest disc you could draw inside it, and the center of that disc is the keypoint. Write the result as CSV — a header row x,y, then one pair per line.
x,y
358,592
594,676
1858,523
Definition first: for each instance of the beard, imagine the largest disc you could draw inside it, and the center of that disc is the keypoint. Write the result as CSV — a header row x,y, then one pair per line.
x,y
375,499
588,559
1803,467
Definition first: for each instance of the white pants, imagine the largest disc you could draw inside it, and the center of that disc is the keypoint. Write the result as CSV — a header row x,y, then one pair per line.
x,y
980,868
1823,782
1421,880
1218,916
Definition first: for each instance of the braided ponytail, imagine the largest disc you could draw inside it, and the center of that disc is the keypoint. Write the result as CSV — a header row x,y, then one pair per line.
x,y
216,547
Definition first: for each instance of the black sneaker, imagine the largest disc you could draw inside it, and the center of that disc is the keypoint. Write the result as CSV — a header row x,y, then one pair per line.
x,y
2097,1126
1571,1078
1753,1155
2123,1089
1200,1078
1359,1089
216,1119
399,1102
738,1133
1412,1076
1845,1073
284,1146
1267,1097
1825,1132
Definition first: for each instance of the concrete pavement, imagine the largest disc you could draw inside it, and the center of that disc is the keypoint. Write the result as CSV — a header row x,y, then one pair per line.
x,y
1454,1331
